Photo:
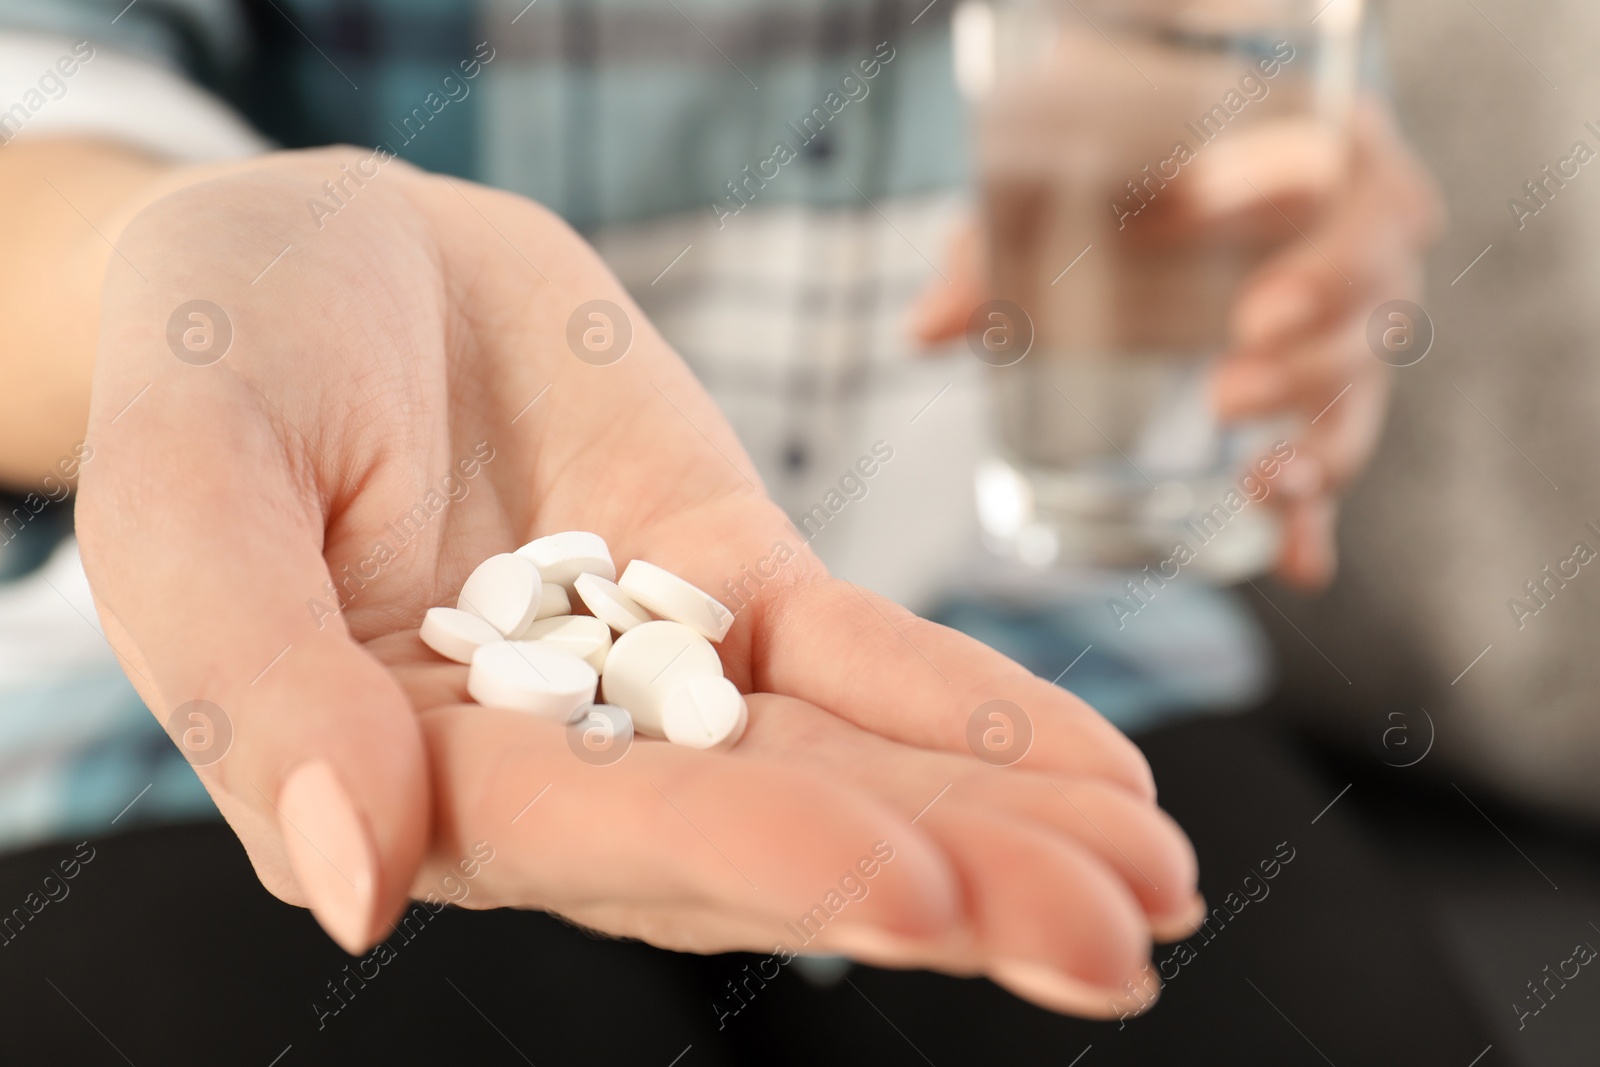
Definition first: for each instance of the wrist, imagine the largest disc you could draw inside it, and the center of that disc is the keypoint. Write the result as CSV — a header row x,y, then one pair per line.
x,y
69,200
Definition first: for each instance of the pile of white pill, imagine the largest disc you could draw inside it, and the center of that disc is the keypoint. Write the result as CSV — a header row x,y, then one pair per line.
x,y
514,626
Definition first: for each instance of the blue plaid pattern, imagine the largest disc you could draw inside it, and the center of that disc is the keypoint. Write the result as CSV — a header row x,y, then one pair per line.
x,y
773,180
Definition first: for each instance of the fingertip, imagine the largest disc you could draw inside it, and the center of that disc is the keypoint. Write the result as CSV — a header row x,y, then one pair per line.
x,y
933,320
1300,478
1168,929
1310,556
1245,386
331,853
1111,757
1131,769
1275,310
1070,736
337,735
1047,904
1067,995
1144,779
1327,560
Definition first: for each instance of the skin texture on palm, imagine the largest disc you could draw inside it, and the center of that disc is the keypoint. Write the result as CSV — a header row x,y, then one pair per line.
x,y
368,356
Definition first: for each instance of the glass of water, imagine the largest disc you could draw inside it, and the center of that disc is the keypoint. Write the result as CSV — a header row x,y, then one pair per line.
x,y
1100,126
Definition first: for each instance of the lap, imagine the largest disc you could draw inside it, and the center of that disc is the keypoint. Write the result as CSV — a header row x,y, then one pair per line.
x,y
164,948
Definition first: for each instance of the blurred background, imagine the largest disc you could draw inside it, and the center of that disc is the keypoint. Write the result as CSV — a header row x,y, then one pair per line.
x,y
1423,731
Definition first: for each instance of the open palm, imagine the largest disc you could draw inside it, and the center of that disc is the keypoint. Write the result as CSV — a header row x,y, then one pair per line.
x,y
398,399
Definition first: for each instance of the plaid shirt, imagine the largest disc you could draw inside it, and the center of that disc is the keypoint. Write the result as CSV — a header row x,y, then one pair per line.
x,y
773,180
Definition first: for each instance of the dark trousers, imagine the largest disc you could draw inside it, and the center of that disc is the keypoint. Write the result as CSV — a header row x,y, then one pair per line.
x,y
1399,933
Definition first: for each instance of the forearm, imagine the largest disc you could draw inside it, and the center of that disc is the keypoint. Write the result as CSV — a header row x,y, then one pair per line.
x,y
66,201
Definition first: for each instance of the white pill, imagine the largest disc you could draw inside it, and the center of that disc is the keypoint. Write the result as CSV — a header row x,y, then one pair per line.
x,y
673,598
553,601
455,634
562,557
600,734
585,637
610,604
705,713
649,663
532,676
505,591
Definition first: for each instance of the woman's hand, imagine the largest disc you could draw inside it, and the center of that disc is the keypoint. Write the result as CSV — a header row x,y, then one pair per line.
x,y
407,387
1354,222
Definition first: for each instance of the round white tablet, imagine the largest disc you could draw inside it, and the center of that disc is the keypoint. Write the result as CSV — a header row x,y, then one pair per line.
x,y
673,598
532,676
553,600
650,662
504,591
584,636
562,557
455,634
610,604
600,734
705,713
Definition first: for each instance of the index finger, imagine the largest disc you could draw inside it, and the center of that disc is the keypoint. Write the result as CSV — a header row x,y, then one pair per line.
x,y
883,668
1390,210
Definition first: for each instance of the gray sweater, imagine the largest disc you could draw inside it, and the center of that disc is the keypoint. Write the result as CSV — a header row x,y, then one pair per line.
x,y
1486,480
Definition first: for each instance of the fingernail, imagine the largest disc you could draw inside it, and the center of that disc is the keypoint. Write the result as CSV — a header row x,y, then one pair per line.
x,y
1062,992
330,853
1274,312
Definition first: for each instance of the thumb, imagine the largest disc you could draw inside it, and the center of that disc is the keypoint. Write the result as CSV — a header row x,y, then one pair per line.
x,y
203,543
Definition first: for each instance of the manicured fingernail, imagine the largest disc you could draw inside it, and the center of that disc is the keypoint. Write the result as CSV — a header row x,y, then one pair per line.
x,y
330,852
1064,993
1274,312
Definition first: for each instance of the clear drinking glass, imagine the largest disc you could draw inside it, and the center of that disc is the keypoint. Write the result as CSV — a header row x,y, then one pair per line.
x,y
1110,301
